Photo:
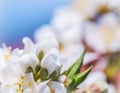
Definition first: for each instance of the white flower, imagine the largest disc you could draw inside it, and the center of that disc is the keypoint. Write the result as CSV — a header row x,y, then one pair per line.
x,y
36,68
10,75
66,17
104,36
96,82
5,53
113,3
68,35
24,84
19,74
70,48
51,87
45,44
45,31
49,47
95,76
27,60
68,45
51,61
88,8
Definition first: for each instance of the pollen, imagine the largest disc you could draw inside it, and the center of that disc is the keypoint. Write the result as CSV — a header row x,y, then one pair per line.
x,y
20,88
61,47
29,84
22,77
7,56
52,90
18,83
7,85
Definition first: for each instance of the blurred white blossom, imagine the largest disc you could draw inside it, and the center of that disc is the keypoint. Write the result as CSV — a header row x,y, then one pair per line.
x,y
66,27
104,36
96,83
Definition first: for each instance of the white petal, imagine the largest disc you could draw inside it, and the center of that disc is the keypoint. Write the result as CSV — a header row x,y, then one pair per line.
x,y
112,88
43,33
28,45
11,74
70,35
95,76
10,89
88,8
65,17
57,87
90,57
43,88
113,3
105,36
47,44
17,52
73,50
94,38
27,91
70,54
50,61
28,60
28,81
62,78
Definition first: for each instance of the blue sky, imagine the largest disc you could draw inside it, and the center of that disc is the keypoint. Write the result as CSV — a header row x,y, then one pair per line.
x,y
19,18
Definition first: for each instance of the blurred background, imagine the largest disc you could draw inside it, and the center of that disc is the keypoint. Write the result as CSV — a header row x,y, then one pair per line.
x,y
76,24
22,17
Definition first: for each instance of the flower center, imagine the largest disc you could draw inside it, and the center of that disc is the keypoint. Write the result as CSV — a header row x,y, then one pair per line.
x,y
61,47
20,88
7,56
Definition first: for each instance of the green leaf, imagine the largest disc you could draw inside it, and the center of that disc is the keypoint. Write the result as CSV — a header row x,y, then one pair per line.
x,y
37,68
75,68
68,82
105,91
37,76
71,86
37,72
43,74
53,76
40,55
29,69
78,79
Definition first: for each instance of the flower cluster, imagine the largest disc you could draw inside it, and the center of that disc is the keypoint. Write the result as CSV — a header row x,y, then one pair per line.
x,y
91,24
37,69
53,64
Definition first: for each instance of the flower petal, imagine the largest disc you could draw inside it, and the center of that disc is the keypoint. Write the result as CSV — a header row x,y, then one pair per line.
x,y
51,61
43,32
57,87
65,17
10,75
27,91
46,45
28,45
28,81
43,88
28,60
